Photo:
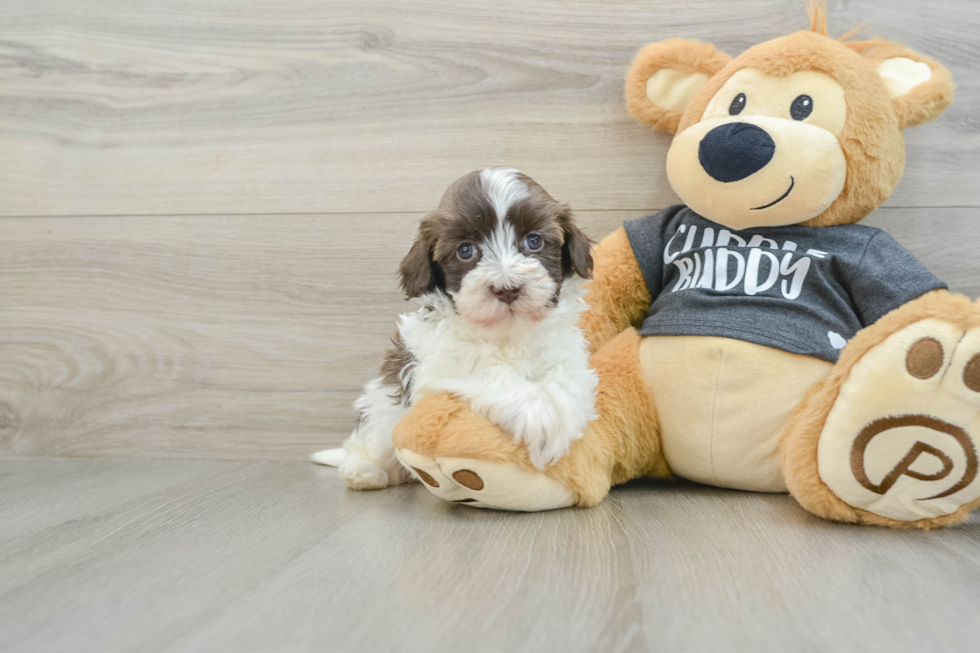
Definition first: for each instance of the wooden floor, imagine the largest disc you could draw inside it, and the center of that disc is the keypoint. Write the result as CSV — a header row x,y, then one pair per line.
x,y
167,555
202,208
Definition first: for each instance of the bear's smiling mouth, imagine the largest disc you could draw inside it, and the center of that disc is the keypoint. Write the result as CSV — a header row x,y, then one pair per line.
x,y
792,182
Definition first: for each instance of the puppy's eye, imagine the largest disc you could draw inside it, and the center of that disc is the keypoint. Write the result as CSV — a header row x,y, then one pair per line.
x,y
737,105
801,108
466,251
533,242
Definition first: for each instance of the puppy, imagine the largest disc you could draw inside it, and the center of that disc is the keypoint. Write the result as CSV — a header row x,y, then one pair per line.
x,y
497,268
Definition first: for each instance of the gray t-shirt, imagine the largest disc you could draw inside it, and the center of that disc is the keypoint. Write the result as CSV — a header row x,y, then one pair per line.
x,y
805,290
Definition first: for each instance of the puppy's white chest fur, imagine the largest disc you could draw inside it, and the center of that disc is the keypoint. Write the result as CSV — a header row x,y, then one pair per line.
x,y
531,378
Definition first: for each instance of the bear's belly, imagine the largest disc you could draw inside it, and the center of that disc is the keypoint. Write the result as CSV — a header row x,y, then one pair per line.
x,y
723,405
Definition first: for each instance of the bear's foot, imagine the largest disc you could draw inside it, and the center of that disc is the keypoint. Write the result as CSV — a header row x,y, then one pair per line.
x,y
464,458
892,436
483,484
901,439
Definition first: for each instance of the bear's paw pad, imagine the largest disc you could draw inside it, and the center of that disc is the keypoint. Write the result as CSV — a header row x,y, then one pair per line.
x,y
901,440
482,484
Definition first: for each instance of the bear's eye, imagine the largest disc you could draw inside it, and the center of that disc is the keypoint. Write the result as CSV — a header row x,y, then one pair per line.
x,y
801,108
737,105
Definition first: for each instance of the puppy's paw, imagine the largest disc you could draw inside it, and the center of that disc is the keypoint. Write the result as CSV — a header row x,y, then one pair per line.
x,y
543,431
360,474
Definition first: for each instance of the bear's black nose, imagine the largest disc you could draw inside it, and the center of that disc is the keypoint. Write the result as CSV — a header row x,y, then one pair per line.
x,y
734,151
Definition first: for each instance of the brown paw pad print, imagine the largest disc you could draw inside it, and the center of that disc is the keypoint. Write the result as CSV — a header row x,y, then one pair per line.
x,y
426,477
468,478
971,373
925,358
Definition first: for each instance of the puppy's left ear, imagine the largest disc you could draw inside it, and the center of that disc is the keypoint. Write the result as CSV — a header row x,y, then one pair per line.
x,y
576,251
920,87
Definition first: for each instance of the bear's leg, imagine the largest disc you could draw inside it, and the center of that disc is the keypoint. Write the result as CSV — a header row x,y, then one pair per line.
x,y
892,436
463,457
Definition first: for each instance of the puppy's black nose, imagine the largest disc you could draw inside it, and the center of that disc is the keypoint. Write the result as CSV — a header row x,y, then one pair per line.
x,y
507,295
734,151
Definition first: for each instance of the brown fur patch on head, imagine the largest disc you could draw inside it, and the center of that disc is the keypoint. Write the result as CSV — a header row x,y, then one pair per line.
x,y
533,215
466,215
556,218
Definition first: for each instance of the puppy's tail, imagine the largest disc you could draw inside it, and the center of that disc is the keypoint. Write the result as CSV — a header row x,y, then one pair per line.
x,y
331,457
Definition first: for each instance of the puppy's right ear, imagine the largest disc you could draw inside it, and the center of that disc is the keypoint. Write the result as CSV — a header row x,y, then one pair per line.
x,y
665,76
418,270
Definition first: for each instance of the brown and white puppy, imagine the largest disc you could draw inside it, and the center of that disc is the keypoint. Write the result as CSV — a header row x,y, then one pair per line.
x,y
498,268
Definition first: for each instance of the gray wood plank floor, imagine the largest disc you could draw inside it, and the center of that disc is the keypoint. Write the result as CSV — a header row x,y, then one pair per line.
x,y
168,556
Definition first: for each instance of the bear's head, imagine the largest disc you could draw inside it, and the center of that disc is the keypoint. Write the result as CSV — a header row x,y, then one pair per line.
x,y
800,129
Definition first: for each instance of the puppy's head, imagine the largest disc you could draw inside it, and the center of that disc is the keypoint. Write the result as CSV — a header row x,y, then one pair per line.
x,y
500,246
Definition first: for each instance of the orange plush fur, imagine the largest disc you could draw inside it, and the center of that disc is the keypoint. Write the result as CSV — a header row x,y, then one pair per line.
x,y
622,299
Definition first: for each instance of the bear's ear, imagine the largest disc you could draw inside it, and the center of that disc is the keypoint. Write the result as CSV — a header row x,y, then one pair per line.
x,y
665,76
920,87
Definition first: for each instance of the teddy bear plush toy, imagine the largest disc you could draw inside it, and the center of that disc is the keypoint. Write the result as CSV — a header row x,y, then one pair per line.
x,y
756,337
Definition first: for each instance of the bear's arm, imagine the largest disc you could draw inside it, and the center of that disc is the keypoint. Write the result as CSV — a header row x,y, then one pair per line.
x,y
888,276
618,296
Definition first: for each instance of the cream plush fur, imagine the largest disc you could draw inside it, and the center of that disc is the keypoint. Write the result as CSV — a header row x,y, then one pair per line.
x,y
741,415
712,431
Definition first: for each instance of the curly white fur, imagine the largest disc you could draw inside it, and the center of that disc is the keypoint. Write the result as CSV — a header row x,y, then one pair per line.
x,y
535,382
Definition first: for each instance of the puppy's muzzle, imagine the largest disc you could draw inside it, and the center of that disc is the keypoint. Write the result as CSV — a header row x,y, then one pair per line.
x,y
507,295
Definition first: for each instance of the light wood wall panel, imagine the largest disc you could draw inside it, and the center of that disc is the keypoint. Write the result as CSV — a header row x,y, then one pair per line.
x,y
203,202
122,107
238,337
